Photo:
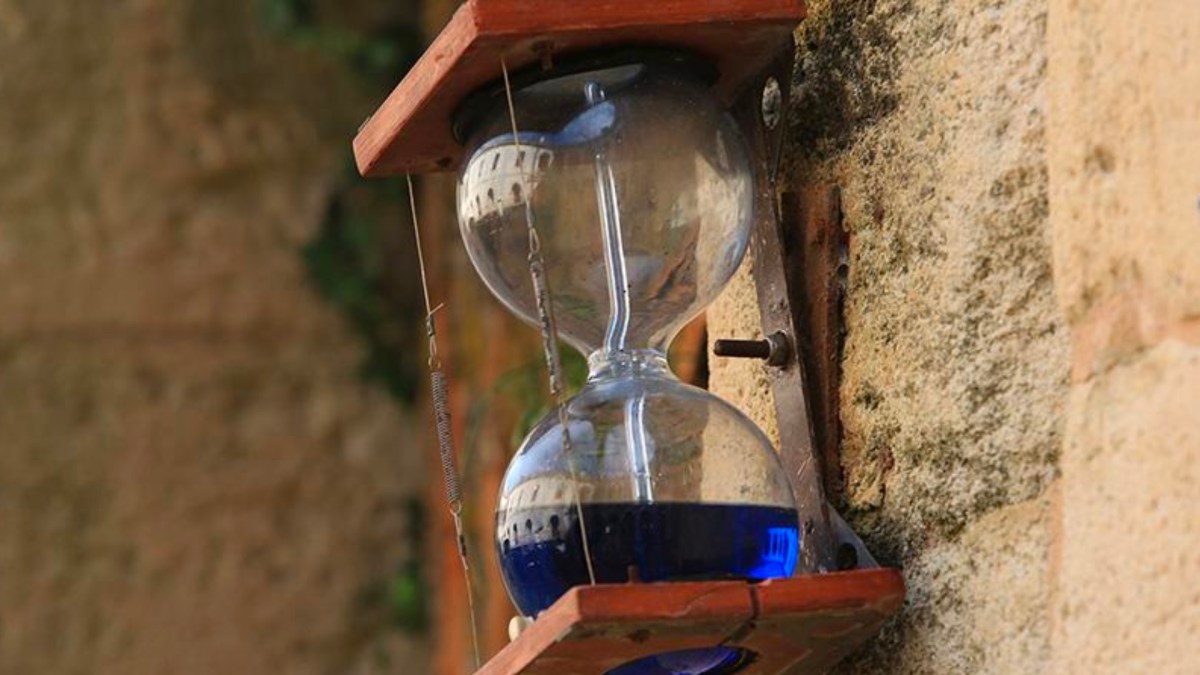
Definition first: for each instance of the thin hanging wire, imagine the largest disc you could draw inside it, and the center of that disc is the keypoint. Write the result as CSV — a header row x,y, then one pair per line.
x,y
541,294
441,414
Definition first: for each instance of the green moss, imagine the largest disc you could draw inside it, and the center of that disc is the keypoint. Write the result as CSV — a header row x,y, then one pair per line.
x,y
359,262
359,258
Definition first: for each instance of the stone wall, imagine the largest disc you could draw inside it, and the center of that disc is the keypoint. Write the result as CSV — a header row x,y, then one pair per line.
x,y
192,477
1124,158
931,118
1019,181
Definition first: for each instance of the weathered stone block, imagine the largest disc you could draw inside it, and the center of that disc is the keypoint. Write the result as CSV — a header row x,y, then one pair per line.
x,y
1128,582
975,605
1123,149
930,117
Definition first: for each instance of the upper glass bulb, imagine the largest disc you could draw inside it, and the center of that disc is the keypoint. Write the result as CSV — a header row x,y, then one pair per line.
x,y
645,151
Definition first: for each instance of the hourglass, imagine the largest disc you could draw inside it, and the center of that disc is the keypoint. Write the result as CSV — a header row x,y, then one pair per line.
x,y
606,195
640,189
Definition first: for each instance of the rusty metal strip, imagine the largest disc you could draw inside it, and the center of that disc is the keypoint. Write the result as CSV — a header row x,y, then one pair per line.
x,y
816,259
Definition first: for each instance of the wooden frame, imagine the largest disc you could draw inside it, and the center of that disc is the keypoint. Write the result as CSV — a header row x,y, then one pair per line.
x,y
411,131
810,622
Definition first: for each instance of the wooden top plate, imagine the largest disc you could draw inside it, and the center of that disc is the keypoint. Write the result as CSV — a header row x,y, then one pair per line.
x,y
810,621
411,131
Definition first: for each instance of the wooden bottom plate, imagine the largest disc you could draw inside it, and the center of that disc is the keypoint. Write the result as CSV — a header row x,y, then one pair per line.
x,y
809,622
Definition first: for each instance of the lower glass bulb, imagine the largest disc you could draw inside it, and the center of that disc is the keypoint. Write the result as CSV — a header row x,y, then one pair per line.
x,y
665,481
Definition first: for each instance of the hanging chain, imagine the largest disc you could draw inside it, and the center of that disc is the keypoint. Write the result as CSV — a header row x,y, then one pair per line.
x,y
549,328
441,415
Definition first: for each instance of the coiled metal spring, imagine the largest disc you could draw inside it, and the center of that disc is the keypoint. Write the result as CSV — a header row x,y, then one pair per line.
x,y
441,413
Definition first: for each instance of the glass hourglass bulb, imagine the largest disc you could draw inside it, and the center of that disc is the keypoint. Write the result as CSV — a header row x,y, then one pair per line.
x,y
640,188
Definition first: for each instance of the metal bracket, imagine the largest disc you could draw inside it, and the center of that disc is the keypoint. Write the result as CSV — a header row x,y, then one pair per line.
x,y
793,313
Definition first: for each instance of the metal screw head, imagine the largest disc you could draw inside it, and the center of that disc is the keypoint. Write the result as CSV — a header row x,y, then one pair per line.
x,y
781,349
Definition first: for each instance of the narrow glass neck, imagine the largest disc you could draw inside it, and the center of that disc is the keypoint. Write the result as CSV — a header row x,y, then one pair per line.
x,y
636,362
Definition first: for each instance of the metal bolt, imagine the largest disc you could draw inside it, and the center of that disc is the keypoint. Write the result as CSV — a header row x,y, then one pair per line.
x,y
775,349
742,349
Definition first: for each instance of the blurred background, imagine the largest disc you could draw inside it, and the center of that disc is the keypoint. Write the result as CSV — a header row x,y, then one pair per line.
x,y
215,447
213,457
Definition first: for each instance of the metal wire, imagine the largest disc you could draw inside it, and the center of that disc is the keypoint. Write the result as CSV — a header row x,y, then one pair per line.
x,y
441,415
546,320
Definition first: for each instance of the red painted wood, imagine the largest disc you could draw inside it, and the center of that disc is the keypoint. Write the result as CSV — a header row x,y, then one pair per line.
x,y
810,623
811,620
411,131
600,627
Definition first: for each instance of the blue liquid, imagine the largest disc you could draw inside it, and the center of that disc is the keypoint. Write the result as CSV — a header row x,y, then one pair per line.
x,y
541,552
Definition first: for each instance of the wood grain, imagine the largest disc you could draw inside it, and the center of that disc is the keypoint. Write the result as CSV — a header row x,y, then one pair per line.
x,y
411,131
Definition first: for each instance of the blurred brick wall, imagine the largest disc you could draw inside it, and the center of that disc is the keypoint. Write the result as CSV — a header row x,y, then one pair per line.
x,y
192,477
